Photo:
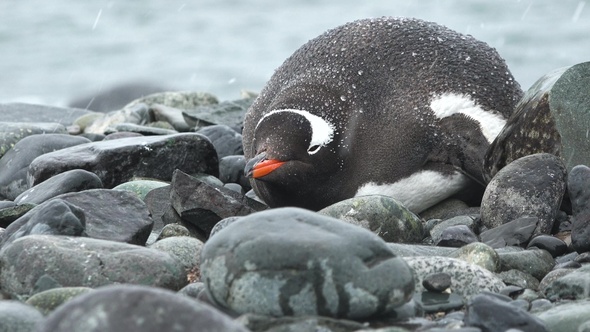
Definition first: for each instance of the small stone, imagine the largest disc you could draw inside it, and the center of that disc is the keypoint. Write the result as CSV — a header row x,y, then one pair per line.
x,y
479,254
573,285
16,316
519,278
433,302
269,263
514,233
532,186
185,249
491,314
512,291
136,308
48,300
437,282
553,245
193,289
382,215
535,262
456,236
141,187
171,115
438,229
172,230
578,182
553,276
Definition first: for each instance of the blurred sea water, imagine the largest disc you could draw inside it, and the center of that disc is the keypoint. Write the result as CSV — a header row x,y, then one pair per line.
x,y
54,51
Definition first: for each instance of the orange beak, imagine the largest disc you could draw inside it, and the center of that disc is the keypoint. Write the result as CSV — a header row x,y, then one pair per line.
x,y
259,166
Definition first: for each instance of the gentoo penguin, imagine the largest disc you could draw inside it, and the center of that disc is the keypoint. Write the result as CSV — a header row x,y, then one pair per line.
x,y
391,106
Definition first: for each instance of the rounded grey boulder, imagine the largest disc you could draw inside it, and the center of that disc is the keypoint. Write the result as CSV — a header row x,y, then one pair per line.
x,y
294,262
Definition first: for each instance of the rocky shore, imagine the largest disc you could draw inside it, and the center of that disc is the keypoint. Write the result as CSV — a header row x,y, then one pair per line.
x,y
141,219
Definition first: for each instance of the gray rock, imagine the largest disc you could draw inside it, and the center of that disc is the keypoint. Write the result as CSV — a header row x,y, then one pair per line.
x,y
185,249
69,181
552,117
290,261
519,278
556,247
56,217
466,279
227,142
513,233
203,205
16,316
456,236
446,209
193,289
532,186
437,282
11,212
491,314
12,132
573,285
567,317
171,115
479,254
229,113
145,130
223,223
15,163
172,230
437,230
579,192
48,300
114,215
32,113
158,202
137,114
552,276
121,160
141,187
535,262
84,262
412,250
231,170
136,308
184,100
382,215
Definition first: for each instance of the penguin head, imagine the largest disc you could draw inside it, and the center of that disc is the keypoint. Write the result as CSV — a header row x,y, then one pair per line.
x,y
293,150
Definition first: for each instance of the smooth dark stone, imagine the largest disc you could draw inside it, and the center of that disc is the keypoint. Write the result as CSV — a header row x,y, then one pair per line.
x,y
514,233
114,215
115,97
231,170
532,186
118,161
15,163
438,228
203,205
512,291
551,117
553,245
579,193
437,282
227,142
136,308
120,134
535,262
69,181
56,217
456,236
491,314
286,251
437,302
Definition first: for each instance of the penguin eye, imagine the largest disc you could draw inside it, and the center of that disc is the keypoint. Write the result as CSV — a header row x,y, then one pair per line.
x,y
314,149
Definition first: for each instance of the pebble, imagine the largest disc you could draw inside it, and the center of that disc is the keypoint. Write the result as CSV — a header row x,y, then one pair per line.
x,y
456,236
551,244
381,215
270,263
535,262
437,282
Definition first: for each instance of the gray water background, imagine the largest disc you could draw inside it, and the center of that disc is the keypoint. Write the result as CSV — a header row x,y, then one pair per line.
x,y
54,50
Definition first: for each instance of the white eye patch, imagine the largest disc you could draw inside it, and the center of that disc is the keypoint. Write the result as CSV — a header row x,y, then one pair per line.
x,y
322,131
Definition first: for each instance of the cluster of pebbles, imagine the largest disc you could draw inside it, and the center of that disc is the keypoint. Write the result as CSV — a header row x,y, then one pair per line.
x,y
141,219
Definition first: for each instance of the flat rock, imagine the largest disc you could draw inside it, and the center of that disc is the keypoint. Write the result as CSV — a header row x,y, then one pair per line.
x,y
14,164
171,115
466,279
556,247
552,117
118,161
489,313
532,186
456,236
124,308
114,215
16,316
69,181
382,215
83,262
517,232
294,262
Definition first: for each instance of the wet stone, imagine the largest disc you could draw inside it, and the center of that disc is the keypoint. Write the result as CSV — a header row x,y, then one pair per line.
x,y
269,262
519,278
141,187
479,254
15,163
456,236
437,230
553,245
10,213
436,302
70,181
231,170
532,186
121,160
437,282
382,215
227,142
535,262
171,115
